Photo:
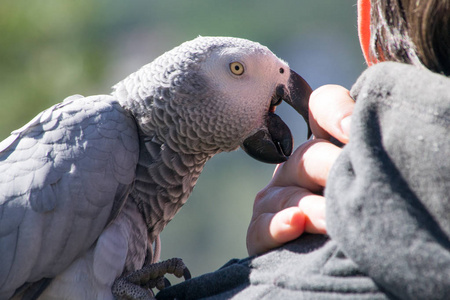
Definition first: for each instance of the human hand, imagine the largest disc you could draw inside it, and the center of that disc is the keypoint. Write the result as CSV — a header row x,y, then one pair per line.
x,y
292,202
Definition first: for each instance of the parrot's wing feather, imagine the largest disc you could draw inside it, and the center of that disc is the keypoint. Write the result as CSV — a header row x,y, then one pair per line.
x,y
61,175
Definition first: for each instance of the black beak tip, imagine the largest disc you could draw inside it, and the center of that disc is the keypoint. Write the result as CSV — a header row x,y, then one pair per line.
x,y
266,152
273,144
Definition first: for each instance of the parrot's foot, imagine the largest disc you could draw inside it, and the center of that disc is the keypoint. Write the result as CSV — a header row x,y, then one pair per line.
x,y
138,284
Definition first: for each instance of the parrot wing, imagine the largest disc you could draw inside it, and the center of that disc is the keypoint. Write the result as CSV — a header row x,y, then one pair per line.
x,y
62,178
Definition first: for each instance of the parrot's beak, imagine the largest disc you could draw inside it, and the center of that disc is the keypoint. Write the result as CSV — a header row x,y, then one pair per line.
x,y
273,142
299,92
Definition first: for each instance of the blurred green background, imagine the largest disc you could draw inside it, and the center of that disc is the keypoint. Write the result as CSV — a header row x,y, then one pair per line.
x,y
52,49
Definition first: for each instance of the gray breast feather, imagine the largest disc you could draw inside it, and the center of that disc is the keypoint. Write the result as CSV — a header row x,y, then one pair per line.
x,y
60,176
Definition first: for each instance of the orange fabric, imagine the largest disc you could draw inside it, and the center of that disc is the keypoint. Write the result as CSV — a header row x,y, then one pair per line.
x,y
364,28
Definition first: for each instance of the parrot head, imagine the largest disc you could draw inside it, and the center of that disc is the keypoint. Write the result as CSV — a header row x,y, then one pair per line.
x,y
214,94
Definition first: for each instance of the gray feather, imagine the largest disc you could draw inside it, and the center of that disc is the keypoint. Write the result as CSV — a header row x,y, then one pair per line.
x,y
63,164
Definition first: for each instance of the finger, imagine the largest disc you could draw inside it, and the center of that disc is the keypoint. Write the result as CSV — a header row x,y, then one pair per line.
x,y
273,199
270,230
308,166
282,198
313,207
330,109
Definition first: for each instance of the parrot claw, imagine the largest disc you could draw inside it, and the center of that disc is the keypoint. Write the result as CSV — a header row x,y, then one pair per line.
x,y
166,283
139,284
186,274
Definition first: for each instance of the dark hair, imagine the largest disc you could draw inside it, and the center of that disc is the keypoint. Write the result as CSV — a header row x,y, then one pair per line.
x,y
412,31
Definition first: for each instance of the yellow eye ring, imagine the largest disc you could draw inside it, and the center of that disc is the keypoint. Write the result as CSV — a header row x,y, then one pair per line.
x,y
237,68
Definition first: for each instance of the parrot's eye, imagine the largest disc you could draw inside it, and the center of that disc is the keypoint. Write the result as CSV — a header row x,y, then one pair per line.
x,y
237,68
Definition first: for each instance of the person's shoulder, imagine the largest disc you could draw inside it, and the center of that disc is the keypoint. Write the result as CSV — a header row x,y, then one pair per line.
x,y
399,81
395,72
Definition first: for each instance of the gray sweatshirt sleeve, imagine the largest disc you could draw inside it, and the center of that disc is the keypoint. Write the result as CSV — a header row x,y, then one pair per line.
x,y
388,194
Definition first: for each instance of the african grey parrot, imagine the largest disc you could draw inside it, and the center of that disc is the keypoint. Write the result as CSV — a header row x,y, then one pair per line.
x,y
87,186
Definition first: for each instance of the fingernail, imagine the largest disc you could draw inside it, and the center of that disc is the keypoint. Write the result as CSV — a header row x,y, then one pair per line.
x,y
345,126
